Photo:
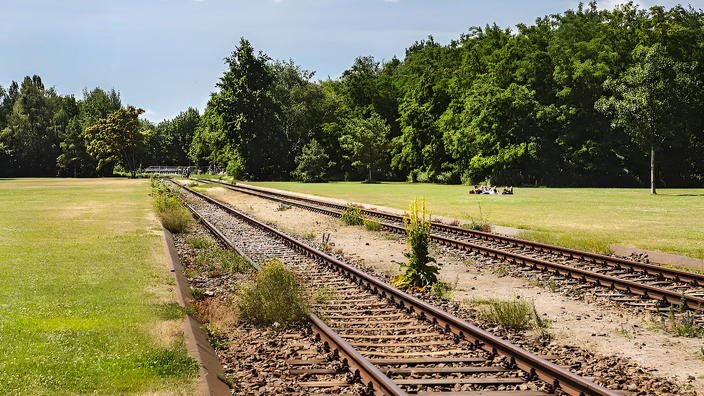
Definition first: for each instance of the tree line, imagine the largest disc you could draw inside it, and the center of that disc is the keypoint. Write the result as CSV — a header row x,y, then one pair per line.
x,y
588,97
43,133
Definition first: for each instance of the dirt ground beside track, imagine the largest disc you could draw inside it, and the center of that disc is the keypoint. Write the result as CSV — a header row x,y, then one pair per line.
x,y
600,329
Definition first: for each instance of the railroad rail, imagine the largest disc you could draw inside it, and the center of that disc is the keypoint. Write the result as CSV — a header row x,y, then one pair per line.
x,y
618,263
647,278
372,310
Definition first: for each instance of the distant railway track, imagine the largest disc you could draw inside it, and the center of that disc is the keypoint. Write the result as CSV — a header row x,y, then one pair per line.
x,y
630,282
386,337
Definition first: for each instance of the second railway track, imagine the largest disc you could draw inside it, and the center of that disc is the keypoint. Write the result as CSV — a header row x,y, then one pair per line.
x,y
413,347
630,282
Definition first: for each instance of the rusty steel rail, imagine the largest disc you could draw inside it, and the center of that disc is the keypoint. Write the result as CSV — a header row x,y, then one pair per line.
x,y
584,276
377,382
538,368
695,279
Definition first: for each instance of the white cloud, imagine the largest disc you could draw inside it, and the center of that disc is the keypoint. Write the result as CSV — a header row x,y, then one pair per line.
x,y
390,1
148,114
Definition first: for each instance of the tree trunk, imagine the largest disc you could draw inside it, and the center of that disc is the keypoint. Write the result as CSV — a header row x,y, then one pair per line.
x,y
370,174
652,169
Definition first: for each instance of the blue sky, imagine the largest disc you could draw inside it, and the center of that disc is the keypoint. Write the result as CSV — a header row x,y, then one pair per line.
x,y
166,55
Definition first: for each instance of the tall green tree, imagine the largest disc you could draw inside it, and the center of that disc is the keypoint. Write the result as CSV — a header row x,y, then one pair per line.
x,y
170,141
118,138
366,141
74,159
312,164
241,128
648,97
425,74
496,132
303,108
97,104
29,136
183,129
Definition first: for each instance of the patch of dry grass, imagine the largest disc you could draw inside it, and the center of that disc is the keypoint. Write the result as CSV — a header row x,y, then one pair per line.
x,y
91,310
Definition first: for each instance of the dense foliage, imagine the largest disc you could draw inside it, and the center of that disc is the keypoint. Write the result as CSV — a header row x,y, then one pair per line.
x,y
584,98
274,298
43,133
538,105
118,138
312,163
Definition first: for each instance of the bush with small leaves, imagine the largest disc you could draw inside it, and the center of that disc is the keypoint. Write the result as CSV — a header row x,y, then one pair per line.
x,y
173,215
231,262
372,225
200,242
352,215
275,296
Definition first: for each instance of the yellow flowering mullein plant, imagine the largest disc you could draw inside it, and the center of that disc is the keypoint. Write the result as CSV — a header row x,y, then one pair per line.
x,y
419,272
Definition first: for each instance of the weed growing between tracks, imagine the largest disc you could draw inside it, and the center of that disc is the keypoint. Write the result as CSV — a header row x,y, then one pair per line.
x,y
684,324
479,222
679,322
419,272
309,236
324,295
274,296
200,242
352,215
372,225
516,314
444,290
213,261
173,215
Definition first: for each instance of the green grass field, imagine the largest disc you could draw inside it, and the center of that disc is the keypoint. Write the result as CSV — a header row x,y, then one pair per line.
x,y
671,221
86,300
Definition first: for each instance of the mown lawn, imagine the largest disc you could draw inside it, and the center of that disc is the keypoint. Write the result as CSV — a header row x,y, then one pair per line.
x,y
671,221
86,301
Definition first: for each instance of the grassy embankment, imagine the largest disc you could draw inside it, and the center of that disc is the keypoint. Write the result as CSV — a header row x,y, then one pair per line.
x,y
590,219
86,302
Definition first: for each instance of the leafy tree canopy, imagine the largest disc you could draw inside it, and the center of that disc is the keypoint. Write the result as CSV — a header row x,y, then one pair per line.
x,y
650,99
313,164
118,138
366,141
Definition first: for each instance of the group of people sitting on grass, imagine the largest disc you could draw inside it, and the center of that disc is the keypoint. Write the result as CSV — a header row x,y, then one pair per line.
x,y
491,190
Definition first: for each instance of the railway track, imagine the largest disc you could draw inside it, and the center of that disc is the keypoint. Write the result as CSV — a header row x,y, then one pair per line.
x,y
633,283
393,342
